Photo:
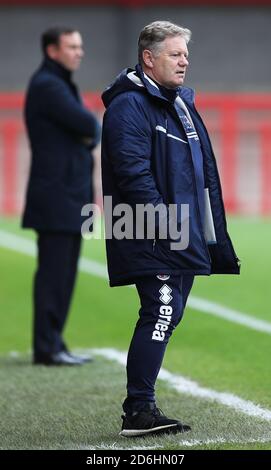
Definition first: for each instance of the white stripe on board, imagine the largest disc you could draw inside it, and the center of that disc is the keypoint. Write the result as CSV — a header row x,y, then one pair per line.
x,y
23,245
189,387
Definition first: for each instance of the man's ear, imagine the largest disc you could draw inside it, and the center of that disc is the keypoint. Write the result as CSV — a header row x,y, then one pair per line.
x,y
52,51
147,58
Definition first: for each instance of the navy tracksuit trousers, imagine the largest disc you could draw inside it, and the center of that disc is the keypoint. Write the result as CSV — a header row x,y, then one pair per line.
x,y
162,305
58,255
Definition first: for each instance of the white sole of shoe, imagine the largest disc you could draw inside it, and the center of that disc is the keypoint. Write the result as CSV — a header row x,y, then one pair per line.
x,y
142,432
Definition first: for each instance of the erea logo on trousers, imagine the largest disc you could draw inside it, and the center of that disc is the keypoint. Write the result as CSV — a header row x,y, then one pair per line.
x,y
165,314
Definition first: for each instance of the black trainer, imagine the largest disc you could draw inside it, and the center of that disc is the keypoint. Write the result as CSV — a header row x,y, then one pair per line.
x,y
150,420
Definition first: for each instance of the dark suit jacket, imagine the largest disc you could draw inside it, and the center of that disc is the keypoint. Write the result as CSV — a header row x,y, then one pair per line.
x,y
58,126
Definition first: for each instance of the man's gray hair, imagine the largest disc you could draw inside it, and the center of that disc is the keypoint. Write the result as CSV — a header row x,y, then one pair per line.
x,y
155,33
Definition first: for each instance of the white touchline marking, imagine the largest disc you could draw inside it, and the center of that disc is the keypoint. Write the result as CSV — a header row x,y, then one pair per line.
x,y
229,314
16,243
93,267
222,440
192,388
28,247
14,354
184,443
116,447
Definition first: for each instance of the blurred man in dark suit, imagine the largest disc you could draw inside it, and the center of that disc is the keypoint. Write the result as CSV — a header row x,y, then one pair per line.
x,y
62,133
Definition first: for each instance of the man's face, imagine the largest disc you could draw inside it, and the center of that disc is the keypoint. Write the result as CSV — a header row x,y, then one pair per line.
x,y
169,65
68,52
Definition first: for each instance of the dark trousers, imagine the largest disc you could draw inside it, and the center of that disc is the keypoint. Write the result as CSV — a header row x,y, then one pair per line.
x,y
162,307
54,280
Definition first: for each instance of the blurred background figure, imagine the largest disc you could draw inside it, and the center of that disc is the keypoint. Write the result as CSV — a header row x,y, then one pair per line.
x,y
62,133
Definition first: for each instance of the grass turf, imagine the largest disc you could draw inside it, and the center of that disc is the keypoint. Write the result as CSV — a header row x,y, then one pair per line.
x,y
79,408
218,354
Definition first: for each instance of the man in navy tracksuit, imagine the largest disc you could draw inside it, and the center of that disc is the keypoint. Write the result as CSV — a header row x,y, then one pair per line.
x,y
156,151
62,133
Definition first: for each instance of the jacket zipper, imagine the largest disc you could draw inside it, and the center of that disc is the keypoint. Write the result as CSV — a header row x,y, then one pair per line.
x,y
198,210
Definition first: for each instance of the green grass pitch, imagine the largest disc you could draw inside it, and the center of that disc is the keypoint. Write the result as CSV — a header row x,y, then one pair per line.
x,y
216,353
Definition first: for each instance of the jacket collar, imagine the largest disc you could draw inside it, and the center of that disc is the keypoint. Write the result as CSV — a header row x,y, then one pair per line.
x,y
188,94
56,68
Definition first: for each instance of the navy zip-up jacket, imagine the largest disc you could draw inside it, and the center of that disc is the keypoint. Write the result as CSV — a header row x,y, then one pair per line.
x,y
62,133
150,155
